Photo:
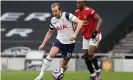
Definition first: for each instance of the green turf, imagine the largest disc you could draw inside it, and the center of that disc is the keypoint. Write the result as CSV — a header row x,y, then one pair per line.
x,y
30,75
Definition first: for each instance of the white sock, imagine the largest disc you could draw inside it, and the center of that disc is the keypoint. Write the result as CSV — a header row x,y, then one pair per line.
x,y
64,69
94,74
99,70
45,66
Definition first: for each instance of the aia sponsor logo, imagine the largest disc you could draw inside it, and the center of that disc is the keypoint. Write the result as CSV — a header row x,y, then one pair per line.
x,y
61,27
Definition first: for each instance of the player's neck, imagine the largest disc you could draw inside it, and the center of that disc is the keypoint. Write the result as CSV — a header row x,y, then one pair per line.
x,y
82,8
59,15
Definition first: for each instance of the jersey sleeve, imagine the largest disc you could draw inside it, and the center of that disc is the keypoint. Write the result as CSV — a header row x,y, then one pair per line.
x,y
70,16
93,12
51,26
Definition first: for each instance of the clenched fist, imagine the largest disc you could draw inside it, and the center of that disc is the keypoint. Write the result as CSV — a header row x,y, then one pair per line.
x,y
41,47
73,36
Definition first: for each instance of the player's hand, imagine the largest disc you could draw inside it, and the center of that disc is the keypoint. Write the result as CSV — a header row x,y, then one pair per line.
x,y
94,34
73,36
41,47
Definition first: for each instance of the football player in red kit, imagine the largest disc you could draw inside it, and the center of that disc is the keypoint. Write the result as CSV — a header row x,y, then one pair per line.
x,y
91,36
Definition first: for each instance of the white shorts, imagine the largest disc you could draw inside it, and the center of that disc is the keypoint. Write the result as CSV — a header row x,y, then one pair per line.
x,y
94,42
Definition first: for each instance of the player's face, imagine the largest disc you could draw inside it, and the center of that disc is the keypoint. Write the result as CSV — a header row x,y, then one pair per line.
x,y
80,4
56,12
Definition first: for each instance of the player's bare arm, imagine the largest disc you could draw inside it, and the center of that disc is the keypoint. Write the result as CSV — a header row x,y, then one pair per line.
x,y
99,21
47,37
79,24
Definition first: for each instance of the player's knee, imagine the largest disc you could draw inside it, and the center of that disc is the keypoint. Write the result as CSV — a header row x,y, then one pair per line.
x,y
91,56
49,58
85,52
52,54
86,55
54,51
91,52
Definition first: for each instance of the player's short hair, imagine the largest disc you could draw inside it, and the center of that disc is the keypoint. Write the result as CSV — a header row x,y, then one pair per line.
x,y
56,4
85,1
82,0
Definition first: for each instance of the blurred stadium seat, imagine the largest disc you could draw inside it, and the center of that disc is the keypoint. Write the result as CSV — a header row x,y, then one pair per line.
x,y
34,59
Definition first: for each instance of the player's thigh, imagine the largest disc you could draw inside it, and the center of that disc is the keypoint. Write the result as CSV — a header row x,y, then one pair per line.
x,y
56,47
92,50
93,44
67,51
96,41
85,45
54,51
86,52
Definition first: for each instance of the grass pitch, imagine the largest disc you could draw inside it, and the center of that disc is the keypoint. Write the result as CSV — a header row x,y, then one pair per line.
x,y
79,75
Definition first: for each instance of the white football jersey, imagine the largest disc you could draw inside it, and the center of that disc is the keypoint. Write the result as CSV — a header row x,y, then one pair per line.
x,y
64,27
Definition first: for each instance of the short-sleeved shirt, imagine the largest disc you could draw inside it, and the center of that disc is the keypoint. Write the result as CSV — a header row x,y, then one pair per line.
x,y
90,23
64,26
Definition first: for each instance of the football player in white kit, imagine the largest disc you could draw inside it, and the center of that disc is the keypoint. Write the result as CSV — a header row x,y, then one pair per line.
x,y
65,39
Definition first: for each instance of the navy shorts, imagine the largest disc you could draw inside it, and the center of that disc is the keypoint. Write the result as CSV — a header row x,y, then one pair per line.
x,y
65,49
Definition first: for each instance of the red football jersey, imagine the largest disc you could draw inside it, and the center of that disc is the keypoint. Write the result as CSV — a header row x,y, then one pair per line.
x,y
89,22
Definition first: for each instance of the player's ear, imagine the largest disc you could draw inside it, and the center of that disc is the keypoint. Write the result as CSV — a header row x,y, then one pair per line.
x,y
60,8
